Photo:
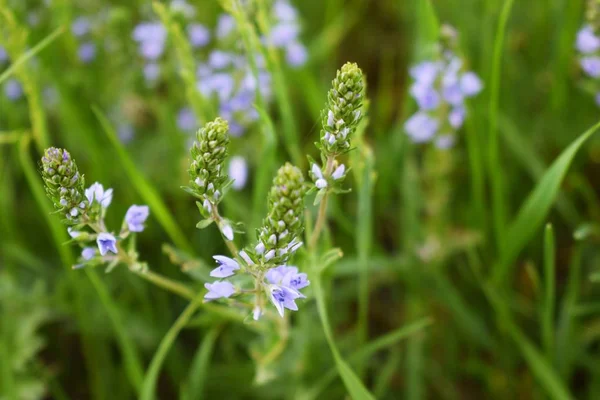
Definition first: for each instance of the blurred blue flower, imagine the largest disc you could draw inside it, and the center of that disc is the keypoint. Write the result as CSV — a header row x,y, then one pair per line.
x,y
225,25
440,88
81,26
186,120
125,132
87,52
421,127
13,89
88,253
3,55
151,37
151,72
219,289
238,171
198,34
591,66
135,217
587,41
296,54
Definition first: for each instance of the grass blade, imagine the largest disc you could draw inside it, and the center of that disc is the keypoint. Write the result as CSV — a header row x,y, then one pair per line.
x,y
355,387
149,385
537,205
549,292
131,358
495,166
199,369
144,188
31,52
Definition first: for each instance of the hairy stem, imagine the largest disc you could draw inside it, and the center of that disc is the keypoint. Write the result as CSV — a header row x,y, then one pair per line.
x,y
322,216
218,219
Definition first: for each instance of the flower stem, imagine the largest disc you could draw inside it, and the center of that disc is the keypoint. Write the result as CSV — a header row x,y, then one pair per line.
x,y
217,218
322,215
168,284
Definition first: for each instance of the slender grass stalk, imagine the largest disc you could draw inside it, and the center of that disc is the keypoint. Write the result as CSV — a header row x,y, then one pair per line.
x,y
199,370
494,165
364,236
42,44
549,292
149,385
144,188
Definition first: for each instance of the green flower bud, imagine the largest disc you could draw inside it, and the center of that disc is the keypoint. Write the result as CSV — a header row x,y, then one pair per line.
x,y
207,174
279,235
64,184
343,112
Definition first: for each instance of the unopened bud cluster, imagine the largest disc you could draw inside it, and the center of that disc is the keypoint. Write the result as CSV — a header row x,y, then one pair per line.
x,y
207,173
344,110
64,184
279,235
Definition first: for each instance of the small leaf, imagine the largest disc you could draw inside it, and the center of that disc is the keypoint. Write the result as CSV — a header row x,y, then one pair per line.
x,y
204,223
320,196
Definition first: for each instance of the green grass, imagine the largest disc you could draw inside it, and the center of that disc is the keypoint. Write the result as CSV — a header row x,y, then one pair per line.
x,y
506,306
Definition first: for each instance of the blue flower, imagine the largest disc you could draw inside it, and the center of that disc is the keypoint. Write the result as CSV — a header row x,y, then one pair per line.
x,y
238,171
591,66
151,37
219,289
444,142
87,52
426,96
88,253
283,297
288,277
151,71
186,120
81,26
3,55
421,127
456,117
225,25
227,267
425,73
470,84
106,242
198,34
135,217
296,54
13,89
97,193
587,41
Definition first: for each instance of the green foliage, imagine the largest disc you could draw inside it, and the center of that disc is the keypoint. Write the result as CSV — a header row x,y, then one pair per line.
x,y
432,278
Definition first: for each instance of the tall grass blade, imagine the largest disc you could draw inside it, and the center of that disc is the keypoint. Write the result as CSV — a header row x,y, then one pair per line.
x,y
144,188
495,166
535,208
549,292
149,384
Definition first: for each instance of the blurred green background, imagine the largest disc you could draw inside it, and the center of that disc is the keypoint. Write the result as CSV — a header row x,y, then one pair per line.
x,y
464,294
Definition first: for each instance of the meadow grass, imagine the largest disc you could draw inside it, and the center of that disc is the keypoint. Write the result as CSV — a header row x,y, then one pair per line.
x,y
502,303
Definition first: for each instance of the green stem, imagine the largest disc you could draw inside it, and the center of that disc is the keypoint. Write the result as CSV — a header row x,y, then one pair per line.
x,y
322,215
168,284
165,345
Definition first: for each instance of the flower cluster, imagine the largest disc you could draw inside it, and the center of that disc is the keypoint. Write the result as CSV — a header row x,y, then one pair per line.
x,y
588,47
85,210
340,118
81,29
151,38
278,240
208,178
285,32
440,88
